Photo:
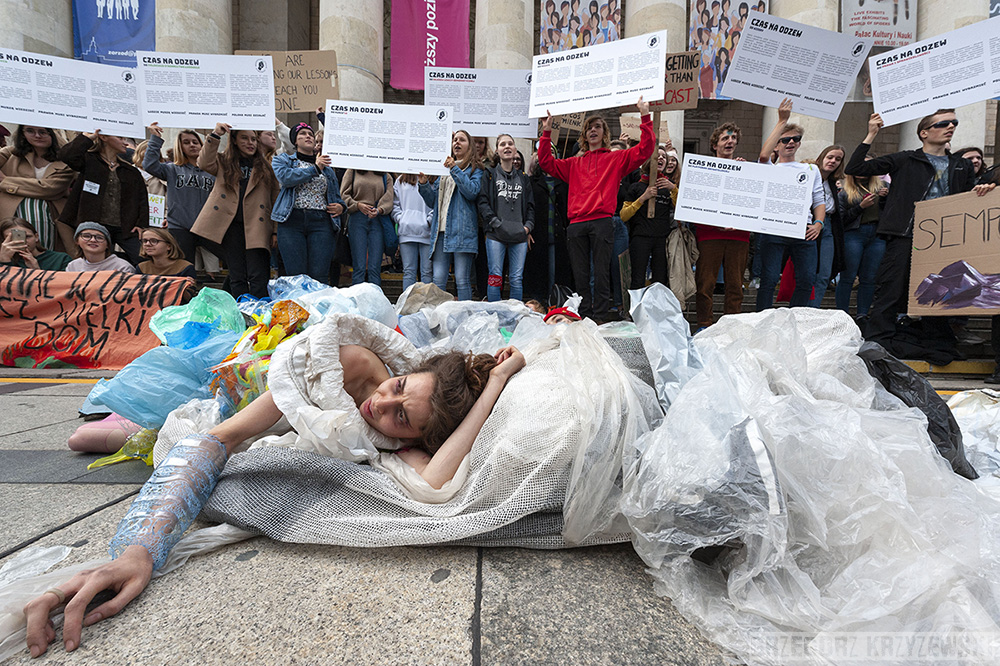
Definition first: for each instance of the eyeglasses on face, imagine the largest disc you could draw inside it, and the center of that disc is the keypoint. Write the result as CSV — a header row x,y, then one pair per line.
x,y
789,139
92,237
36,131
941,124
151,241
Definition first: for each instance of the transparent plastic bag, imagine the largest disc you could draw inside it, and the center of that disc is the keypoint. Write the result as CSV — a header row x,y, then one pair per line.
x,y
210,306
978,415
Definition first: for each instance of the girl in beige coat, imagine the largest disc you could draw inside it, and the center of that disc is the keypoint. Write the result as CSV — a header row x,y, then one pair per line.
x,y
237,214
34,184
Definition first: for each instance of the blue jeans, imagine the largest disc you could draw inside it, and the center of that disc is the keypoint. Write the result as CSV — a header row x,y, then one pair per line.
x,y
516,253
413,253
464,263
306,241
772,250
862,254
366,238
824,267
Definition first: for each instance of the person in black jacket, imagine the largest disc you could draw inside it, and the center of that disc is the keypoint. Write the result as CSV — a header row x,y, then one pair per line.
x,y
917,175
506,206
547,263
648,235
109,190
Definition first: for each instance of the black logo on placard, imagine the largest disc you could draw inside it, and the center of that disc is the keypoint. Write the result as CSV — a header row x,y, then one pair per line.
x,y
261,65
802,177
527,79
653,41
442,114
858,49
128,77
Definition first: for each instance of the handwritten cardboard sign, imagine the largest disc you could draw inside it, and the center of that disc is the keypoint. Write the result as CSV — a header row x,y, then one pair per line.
x,y
83,320
955,268
630,125
303,80
157,210
680,84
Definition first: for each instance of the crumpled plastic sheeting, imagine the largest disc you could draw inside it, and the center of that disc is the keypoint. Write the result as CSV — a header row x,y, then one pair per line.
x,y
666,337
978,415
434,324
871,531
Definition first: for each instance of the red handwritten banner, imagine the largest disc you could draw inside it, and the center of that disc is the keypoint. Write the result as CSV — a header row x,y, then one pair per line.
x,y
82,320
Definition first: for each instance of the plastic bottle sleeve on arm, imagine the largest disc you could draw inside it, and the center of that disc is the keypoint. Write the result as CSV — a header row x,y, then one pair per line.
x,y
172,498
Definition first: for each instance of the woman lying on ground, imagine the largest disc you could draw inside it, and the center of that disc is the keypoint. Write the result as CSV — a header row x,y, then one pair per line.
x,y
437,410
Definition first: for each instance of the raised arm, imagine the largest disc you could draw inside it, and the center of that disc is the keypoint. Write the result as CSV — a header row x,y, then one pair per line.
x,y
439,469
208,158
784,113
151,163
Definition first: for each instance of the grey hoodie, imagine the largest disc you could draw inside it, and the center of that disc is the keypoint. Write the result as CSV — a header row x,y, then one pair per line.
x,y
188,186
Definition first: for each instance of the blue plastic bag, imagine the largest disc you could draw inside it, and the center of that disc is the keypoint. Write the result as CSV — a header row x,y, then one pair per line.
x,y
210,306
151,386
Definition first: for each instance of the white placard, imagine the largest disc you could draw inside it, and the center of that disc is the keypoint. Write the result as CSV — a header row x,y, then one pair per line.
x,y
744,195
599,77
778,58
951,70
400,138
485,102
157,210
68,94
200,90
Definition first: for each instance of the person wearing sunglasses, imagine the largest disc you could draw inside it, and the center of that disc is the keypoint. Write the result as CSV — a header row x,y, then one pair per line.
x,y
926,173
787,138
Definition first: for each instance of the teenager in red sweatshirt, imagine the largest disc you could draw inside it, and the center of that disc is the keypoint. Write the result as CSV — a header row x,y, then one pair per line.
x,y
593,176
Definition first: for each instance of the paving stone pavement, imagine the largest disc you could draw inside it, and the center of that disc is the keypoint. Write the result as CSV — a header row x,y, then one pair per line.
x,y
265,602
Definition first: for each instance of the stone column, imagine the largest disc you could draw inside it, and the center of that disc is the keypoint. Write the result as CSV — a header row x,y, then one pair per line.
x,y
355,30
194,26
822,14
933,18
642,16
504,40
43,26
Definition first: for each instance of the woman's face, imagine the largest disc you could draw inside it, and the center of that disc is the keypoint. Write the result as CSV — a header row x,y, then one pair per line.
x,y
518,162
154,246
671,165
115,143
92,243
269,140
400,407
38,138
832,161
460,146
480,142
30,239
246,142
661,161
305,141
976,159
506,148
191,145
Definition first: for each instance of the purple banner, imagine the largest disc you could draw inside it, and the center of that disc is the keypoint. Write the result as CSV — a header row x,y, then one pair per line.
x,y
434,33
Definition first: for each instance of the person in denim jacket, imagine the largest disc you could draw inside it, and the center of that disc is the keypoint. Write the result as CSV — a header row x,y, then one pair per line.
x,y
453,200
308,207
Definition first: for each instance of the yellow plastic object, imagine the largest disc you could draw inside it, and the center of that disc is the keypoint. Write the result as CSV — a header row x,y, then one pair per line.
x,y
138,446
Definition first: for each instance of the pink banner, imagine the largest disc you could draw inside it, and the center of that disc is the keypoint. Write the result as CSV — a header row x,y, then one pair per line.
x,y
434,33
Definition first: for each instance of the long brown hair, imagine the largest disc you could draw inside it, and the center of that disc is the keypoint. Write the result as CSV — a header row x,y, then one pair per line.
x,y
229,164
856,191
605,139
459,379
473,156
22,147
837,173
180,159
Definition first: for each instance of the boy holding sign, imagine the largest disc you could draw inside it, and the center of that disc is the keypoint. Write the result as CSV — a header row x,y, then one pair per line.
x,y
593,177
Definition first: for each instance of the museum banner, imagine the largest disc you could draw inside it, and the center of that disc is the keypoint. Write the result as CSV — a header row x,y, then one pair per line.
x,y
111,31
426,33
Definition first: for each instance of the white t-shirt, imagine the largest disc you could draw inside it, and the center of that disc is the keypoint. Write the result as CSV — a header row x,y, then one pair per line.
x,y
818,195
112,263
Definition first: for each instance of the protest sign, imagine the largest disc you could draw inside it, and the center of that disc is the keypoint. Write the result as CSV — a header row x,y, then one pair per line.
x,y
599,77
681,90
399,138
779,58
157,210
200,90
68,94
572,121
303,80
955,267
951,70
744,195
111,32
485,102
630,123
82,320
887,25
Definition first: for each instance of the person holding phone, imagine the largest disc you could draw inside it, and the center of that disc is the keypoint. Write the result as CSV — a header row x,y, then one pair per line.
x,y
860,203
20,247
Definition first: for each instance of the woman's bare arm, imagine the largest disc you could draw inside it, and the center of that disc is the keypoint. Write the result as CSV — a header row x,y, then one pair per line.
x,y
441,467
